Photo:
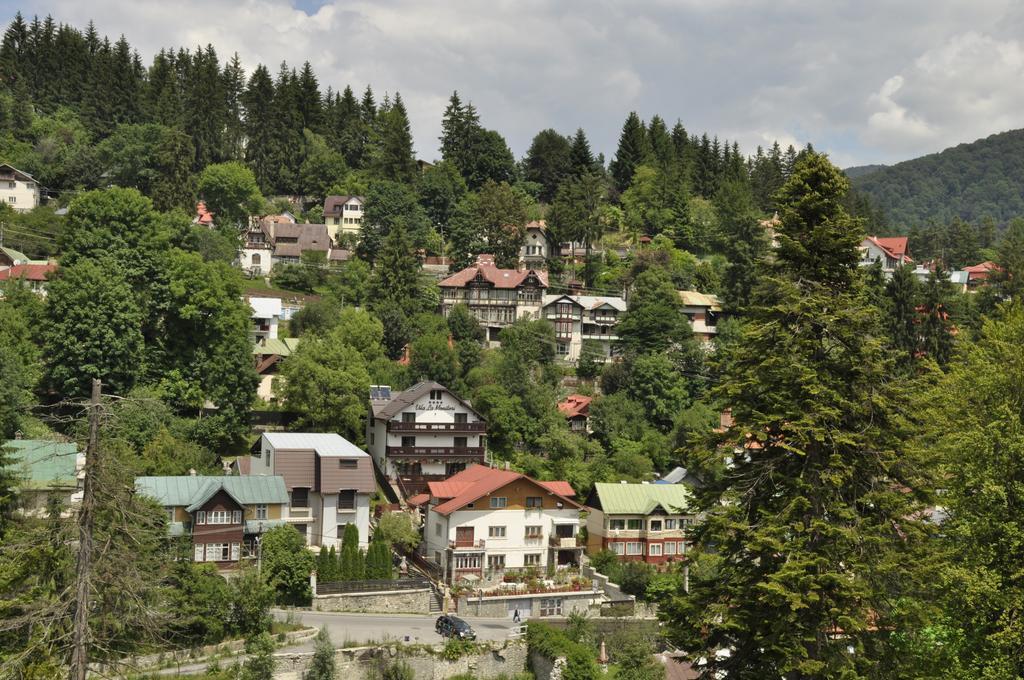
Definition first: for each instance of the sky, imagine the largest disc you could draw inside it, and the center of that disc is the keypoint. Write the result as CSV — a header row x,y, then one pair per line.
x,y
869,81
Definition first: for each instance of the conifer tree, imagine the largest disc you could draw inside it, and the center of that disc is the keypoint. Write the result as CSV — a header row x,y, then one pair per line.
x,y
259,148
808,513
392,156
581,159
548,162
935,325
901,322
234,88
309,102
662,149
743,239
352,559
634,150
349,130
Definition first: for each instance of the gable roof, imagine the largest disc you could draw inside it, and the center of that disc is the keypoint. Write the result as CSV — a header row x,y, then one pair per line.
x,y
21,174
265,307
326,444
282,347
588,302
692,298
28,272
332,204
16,256
194,491
575,405
894,246
44,464
386,409
309,237
641,499
499,278
983,268
477,481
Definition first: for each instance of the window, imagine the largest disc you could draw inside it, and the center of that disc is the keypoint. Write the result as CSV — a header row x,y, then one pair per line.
x,y
300,498
235,552
437,529
467,561
562,348
534,502
220,552
435,395
201,517
408,442
340,530
461,419
12,185
256,260
261,511
348,464
618,548
616,524
670,548
170,513
218,517
534,531
12,199
499,502
654,549
551,606
459,442
531,559
495,562
409,417
670,524
634,548
496,532
654,525
347,499
373,438
200,552
634,524
335,220
236,516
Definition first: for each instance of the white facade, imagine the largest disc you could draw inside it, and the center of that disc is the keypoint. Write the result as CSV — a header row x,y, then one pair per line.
x,y
583,317
515,538
424,432
350,221
266,316
702,311
889,252
535,249
19,190
256,259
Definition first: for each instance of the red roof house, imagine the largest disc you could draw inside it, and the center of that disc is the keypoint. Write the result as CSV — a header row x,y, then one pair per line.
x,y
576,409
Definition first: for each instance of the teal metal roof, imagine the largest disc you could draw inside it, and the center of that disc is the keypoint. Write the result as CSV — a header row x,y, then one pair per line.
x,y
188,490
44,464
15,255
280,346
256,526
641,499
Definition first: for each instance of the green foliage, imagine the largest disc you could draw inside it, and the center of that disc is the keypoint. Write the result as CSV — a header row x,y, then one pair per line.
x,y
117,224
260,662
321,666
441,187
351,558
388,206
463,325
287,565
20,368
580,665
396,528
969,181
155,159
231,193
378,560
430,358
251,599
901,316
456,648
93,330
548,162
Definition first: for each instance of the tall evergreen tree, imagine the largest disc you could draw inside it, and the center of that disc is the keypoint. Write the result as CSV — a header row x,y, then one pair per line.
x,y
548,162
900,315
936,327
310,104
234,131
392,155
581,160
744,242
634,150
259,147
808,517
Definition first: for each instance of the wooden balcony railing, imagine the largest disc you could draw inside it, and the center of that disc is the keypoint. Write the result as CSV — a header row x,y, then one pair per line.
x,y
445,452
398,426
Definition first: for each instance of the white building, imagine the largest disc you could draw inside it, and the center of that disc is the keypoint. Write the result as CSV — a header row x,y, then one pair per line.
x,y
703,312
329,481
343,214
424,433
536,248
266,316
18,189
483,522
583,317
891,252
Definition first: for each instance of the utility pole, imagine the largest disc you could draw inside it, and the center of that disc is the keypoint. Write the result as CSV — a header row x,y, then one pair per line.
x,y
83,573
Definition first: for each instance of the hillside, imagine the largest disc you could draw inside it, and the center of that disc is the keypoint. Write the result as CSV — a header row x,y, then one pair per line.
x,y
862,170
971,181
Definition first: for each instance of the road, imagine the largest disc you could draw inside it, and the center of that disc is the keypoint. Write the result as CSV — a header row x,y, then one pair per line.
x,y
348,629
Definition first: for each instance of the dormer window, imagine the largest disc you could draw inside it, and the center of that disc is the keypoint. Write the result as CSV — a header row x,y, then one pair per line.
x,y
435,395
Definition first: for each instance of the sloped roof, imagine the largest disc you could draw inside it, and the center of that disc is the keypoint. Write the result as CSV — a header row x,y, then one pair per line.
x,y
588,302
692,298
477,481
44,464
641,499
386,409
24,175
575,405
28,272
499,278
332,204
559,488
326,444
193,491
16,256
279,346
310,237
265,307
983,268
894,246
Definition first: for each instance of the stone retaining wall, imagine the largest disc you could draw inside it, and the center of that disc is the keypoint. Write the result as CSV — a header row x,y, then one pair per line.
x,y
364,663
389,602
497,606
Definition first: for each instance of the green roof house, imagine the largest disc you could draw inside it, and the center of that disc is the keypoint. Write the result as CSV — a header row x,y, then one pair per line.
x,y
640,522
46,468
224,516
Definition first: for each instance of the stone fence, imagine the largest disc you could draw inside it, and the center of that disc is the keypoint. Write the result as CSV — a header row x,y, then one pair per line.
x,y
382,602
489,660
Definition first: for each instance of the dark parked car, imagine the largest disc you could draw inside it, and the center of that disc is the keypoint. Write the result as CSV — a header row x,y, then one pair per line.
x,y
454,627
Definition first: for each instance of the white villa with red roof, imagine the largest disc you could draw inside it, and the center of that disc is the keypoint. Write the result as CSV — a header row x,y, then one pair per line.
x,y
497,297
891,252
485,521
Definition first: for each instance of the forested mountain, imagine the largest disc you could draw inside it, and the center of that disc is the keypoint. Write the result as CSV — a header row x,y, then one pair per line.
x,y
969,181
862,170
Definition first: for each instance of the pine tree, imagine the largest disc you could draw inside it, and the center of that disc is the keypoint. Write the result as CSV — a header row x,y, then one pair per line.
x,y
634,150
234,130
744,242
807,511
349,130
548,162
392,155
332,565
935,325
662,148
323,570
395,281
351,558
581,160
286,131
310,104
259,148
901,315
205,106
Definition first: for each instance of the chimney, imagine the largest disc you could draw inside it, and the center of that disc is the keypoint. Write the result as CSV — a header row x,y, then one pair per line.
x,y
508,465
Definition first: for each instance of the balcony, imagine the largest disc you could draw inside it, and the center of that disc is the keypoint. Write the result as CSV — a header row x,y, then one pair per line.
x,y
296,514
467,453
397,426
466,544
599,336
565,542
